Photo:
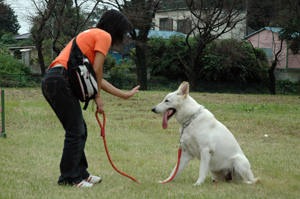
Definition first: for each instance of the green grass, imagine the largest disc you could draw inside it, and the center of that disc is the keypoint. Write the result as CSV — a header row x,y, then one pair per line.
x,y
30,155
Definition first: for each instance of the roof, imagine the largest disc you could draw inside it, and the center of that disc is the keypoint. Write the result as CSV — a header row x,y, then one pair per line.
x,y
23,36
151,34
275,30
163,34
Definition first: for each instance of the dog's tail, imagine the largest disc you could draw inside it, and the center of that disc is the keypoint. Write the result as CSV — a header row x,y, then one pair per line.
x,y
256,180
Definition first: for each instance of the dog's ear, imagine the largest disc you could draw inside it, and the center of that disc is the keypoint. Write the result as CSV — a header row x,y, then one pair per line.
x,y
183,89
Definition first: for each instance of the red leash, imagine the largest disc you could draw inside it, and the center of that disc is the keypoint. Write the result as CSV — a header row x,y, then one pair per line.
x,y
178,162
104,140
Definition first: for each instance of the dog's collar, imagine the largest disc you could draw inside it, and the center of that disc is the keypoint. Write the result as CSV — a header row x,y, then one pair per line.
x,y
188,123
190,120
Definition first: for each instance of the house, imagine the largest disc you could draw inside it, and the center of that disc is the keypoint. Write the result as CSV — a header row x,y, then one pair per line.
x,y
25,53
267,40
180,20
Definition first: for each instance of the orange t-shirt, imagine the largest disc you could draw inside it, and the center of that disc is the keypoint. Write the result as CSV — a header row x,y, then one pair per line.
x,y
88,41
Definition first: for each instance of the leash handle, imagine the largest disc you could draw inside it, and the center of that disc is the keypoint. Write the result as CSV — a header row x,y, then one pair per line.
x,y
100,124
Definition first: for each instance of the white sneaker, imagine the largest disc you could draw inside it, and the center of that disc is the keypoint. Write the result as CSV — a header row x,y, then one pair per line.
x,y
84,184
93,179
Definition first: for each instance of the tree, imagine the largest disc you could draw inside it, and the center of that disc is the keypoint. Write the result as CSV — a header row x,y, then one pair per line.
x,y
272,80
210,20
289,20
227,60
140,13
165,57
262,13
9,22
59,20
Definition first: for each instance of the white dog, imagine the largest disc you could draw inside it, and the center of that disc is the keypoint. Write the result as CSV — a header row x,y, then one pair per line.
x,y
206,138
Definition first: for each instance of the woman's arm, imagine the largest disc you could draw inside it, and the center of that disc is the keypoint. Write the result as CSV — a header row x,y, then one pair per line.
x,y
98,68
107,87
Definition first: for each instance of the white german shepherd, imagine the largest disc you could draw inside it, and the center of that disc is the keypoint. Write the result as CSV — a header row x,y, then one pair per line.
x,y
206,138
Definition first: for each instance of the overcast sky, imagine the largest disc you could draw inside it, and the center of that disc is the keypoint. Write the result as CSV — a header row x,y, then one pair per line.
x,y
23,9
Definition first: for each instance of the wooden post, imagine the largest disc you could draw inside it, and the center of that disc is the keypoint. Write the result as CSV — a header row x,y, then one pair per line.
x,y
2,110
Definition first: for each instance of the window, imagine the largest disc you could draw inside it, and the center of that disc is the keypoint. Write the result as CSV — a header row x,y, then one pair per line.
x,y
163,24
268,52
166,24
184,26
180,25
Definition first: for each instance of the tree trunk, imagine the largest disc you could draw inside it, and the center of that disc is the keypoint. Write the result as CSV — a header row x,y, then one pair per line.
x,y
39,47
272,82
197,67
141,66
141,57
193,80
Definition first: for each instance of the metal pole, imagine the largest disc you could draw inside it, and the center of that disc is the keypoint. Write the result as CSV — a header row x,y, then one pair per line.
x,y
2,114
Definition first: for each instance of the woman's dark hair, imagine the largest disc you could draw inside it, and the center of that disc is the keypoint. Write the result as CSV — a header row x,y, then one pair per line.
x,y
116,24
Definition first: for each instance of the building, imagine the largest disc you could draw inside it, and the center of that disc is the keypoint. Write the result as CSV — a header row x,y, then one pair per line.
x,y
26,52
181,20
267,40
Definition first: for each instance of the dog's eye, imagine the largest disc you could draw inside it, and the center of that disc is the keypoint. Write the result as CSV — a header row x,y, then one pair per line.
x,y
166,100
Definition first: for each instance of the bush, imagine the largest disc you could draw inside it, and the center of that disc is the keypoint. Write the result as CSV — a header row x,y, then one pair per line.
x,y
223,60
11,71
119,74
234,61
287,87
168,58
9,65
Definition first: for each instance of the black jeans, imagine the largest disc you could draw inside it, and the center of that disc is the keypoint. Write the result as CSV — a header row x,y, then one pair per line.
x,y
60,96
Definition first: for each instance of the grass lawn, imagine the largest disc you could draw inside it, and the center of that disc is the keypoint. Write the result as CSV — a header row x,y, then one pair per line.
x,y
30,155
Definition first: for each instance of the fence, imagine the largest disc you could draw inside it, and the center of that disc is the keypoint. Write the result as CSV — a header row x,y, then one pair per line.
x,y
20,80
283,87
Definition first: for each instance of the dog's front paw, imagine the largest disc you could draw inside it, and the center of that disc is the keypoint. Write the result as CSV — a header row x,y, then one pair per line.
x,y
197,183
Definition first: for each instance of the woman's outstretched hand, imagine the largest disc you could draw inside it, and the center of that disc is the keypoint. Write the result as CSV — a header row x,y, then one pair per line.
x,y
129,94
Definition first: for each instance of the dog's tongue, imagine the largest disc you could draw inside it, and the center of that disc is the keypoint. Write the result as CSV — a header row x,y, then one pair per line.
x,y
165,119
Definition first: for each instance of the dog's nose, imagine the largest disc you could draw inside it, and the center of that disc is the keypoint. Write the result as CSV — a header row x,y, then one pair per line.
x,y
153,109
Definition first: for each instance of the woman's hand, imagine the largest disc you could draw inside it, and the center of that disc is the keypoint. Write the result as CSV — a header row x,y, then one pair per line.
x,y
129,94
100,104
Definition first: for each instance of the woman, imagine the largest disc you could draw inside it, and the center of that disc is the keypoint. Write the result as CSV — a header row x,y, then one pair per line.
x,y
94,43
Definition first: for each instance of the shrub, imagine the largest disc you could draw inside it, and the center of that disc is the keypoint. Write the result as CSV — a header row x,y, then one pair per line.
x,y
236,61
13,72
223,60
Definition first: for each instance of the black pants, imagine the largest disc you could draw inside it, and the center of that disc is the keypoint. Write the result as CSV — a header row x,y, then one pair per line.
x,y
60,96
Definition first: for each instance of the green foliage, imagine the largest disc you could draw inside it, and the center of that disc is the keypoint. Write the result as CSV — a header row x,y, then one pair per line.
x,y
120,71
289,21
288,87
9,22
47,52
168,58
8,39
9,65
118,74
10,71
109,62
231,60
224,60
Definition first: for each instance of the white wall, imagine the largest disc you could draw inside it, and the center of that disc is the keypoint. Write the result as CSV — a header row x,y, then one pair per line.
x,y
238,32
